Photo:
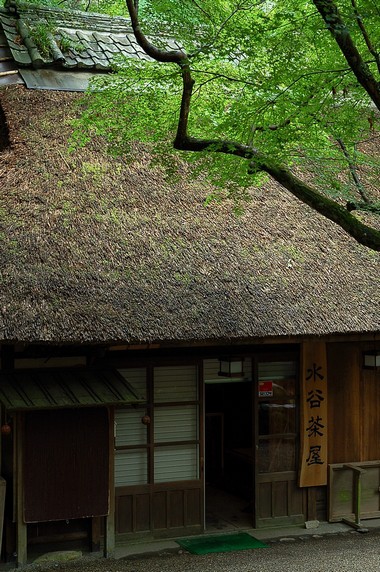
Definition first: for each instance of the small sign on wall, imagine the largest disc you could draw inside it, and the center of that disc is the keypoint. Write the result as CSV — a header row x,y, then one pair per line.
x,y
266,389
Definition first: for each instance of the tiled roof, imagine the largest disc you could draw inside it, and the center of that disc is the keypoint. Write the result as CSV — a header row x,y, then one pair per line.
x,y
91,40
72,40
8,67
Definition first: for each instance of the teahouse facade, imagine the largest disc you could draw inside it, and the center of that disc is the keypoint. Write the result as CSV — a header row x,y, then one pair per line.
x,y
154,350
137,442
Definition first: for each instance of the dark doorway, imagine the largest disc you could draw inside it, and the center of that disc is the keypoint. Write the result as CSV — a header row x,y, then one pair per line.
x,y
229,455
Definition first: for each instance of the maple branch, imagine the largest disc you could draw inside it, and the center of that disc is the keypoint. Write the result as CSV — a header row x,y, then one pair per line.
x,y
160,55
338,29
364,234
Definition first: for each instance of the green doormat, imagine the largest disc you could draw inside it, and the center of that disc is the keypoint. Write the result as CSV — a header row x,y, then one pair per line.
x,y
220,543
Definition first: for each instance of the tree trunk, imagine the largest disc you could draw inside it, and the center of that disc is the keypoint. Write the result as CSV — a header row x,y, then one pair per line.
x,y
4,131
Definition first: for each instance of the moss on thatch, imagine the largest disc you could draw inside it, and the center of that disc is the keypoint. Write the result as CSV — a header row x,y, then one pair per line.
x,y
97,249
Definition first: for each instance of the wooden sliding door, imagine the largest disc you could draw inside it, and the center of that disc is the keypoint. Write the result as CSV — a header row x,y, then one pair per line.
x,y
278,500
158,470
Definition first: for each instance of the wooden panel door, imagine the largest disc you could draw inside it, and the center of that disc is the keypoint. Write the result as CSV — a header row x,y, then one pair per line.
x,y
66,455
278,500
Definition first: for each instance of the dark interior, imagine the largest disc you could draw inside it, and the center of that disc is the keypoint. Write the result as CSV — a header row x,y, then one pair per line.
x,y
229,438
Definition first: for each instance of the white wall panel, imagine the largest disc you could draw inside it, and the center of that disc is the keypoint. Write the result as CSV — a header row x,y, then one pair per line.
x,y
175,383
176,463
128,427
177,423
131,468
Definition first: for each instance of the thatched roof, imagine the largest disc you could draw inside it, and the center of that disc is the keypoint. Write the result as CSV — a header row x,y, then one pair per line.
x,y
94,249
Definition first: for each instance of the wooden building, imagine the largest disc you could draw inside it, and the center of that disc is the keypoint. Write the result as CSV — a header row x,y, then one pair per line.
x,y
154,350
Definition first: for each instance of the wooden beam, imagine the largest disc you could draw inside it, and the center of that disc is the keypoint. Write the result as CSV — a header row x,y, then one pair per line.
x,y
22,540
10,72
109,529
7,356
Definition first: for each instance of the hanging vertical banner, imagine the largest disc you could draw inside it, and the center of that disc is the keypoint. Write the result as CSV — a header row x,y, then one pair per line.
x,y
313,398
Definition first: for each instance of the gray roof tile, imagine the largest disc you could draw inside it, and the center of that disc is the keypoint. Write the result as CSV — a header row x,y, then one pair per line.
x,y
103,65
129,51
100,59
21,56
98,37
83,54
70,62
172,45
142,55
86,63
85,37
113,48
8,26
68,32
123,40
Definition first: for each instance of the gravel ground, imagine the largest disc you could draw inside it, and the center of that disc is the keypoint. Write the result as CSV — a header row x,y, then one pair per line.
x,y
348,552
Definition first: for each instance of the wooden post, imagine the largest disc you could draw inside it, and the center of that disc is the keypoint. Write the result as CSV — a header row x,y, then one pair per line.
x,y
22,540
356,494
202,452
109,528
95,533
311,503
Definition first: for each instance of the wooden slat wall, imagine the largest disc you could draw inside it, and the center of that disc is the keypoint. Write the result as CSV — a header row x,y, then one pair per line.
x,y
344,403
173,384
354,405
370,447
167,507
176,463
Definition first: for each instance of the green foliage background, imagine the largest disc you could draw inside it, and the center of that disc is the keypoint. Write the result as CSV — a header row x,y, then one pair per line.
x,y
267,73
